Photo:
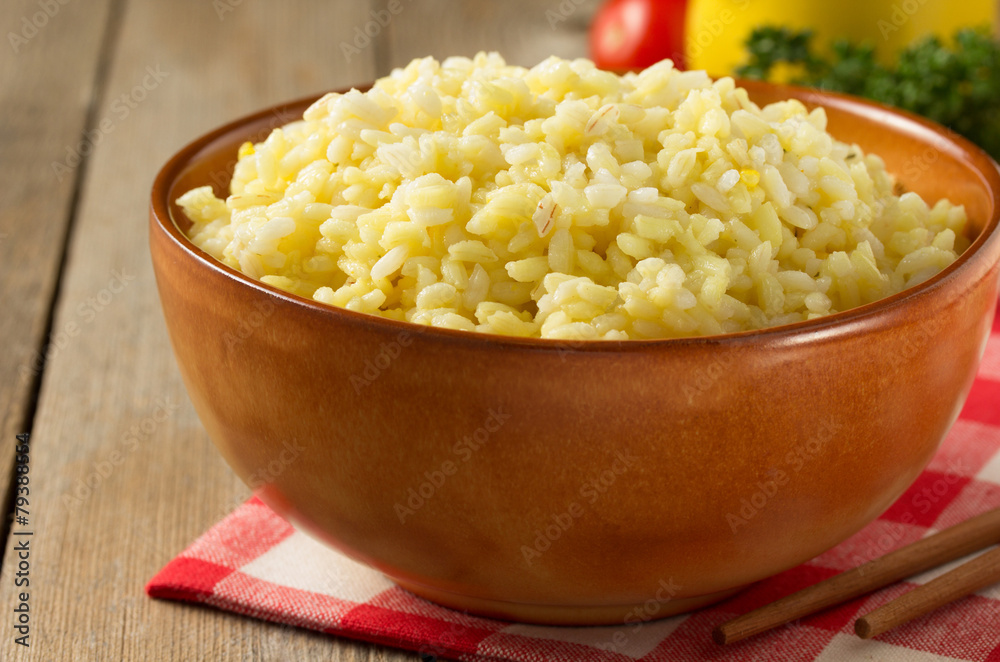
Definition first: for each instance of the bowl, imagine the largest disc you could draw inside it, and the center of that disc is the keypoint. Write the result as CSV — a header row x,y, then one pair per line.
x,y
593,482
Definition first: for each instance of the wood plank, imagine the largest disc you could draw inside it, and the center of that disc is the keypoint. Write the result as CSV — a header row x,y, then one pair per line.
x,y
95,547
42,114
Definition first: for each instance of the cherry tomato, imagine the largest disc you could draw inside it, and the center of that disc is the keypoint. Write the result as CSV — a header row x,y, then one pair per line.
x,y
633,34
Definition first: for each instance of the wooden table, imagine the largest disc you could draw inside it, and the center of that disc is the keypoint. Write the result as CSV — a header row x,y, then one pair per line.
x,y
94,96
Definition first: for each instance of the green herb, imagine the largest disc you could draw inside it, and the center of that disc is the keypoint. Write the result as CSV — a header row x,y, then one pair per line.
x,y
957,85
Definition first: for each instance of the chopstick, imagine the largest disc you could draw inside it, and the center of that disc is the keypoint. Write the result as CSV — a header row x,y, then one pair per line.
x,y
953,543
967,578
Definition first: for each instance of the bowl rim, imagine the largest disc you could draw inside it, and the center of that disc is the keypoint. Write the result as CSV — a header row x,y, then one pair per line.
x,y
845,322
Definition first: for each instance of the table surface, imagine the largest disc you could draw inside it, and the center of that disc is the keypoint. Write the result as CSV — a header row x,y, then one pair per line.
x,y
94,97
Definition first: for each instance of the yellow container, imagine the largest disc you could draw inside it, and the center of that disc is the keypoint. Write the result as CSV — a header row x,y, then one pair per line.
x,y
716,30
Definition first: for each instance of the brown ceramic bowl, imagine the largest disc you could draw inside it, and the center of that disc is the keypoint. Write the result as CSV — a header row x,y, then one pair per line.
x,y
538,481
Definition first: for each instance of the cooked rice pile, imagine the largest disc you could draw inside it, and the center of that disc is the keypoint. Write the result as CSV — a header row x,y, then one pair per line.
x,y
568,202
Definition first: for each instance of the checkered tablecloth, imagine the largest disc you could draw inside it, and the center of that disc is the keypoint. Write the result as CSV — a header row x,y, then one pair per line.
x,y
254,563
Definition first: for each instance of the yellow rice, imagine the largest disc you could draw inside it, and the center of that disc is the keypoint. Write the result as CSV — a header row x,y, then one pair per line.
x,y
566,202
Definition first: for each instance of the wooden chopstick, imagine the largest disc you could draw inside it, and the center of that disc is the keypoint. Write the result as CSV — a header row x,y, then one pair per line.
x,y
967,578
953,543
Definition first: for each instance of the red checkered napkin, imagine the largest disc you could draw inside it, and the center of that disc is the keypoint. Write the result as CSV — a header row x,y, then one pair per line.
x,y
253,562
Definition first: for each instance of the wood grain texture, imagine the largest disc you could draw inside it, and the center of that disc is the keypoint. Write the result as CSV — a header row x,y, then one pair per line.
x,y
47,82
123,476
525,32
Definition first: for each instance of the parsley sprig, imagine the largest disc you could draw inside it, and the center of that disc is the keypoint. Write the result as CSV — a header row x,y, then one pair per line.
x,y
957,85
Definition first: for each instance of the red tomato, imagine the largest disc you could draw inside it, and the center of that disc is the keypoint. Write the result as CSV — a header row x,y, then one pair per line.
x,y
633,34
